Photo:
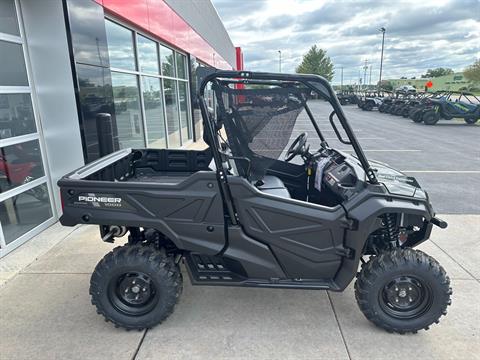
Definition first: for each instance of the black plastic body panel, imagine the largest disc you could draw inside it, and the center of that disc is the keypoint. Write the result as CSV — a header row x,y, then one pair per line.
x,y
364,209
255,257
188,210
307,239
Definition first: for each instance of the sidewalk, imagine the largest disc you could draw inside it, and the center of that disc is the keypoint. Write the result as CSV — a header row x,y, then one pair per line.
x,y
45,311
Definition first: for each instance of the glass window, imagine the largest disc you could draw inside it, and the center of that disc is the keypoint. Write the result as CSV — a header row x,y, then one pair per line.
x,y
19,164
95,97
168,61
181,68
87,29
16,115
184,113
154,116
8,18
13,71
147,55
20,214
127,110
120,46
171,106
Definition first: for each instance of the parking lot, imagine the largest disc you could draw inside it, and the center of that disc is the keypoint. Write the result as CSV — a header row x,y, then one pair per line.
x,y
444,158
46,312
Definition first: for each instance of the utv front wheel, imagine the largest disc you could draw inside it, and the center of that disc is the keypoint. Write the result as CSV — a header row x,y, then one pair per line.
x,y
471,120
430,117
135,286
403,290
417,117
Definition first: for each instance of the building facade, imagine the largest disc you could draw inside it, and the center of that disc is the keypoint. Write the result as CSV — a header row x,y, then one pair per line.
x,y
452,82
63,62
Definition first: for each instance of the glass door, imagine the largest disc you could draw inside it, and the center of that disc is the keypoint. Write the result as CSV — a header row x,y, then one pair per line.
x,y
25,201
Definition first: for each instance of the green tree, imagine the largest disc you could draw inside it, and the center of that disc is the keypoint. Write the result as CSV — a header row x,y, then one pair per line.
x,y
433,73
385,85
316,61
472,72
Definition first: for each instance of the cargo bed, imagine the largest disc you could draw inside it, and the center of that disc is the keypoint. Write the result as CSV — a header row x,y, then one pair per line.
x,y
173,191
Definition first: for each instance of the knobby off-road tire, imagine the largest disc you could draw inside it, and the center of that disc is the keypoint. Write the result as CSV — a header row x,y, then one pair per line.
x,y
403,291
430,117
368,106
417,117
135,286
471,120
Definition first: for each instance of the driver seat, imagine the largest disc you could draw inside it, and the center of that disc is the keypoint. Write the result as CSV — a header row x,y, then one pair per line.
x,y
272,185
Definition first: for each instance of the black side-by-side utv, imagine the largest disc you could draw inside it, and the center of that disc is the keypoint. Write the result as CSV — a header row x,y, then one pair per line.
x,y
242,213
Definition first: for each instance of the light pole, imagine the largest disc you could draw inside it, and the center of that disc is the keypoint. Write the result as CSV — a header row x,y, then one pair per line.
x,y
365,68
279,61
341,80
382,30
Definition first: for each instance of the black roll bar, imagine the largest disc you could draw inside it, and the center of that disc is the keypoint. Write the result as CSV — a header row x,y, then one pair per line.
x,y
323,88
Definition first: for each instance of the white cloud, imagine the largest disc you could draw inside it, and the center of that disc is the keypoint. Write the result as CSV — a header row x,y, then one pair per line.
x,y
420,35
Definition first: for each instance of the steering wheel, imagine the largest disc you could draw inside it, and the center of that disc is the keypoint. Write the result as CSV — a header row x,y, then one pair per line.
x,y
297,147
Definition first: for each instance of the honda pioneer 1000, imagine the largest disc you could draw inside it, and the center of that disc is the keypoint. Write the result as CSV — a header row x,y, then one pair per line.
x,y
241,213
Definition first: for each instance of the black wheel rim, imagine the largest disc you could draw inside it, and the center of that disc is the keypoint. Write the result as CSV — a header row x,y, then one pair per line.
x,y
133,293
405,297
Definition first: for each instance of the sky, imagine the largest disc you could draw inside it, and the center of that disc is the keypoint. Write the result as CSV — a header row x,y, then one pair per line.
x,y
420,34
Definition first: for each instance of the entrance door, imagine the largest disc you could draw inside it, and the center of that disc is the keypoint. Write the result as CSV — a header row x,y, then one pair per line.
x,y
25,201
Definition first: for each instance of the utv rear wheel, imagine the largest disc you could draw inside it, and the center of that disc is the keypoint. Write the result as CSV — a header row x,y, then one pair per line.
x,y
417,117
430,117
403,290
135,286
368,106
471,120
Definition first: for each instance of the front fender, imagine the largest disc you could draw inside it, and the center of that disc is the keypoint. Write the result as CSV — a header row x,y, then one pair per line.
x,y
365,213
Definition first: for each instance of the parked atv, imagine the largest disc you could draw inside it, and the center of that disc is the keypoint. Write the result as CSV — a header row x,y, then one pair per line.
x,y
397,103
392,100
416,112
373,100
386,102
243,213
412,102
401,104
347,98
456,105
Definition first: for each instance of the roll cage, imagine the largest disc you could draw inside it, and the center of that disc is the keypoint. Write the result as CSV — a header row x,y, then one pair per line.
x,y
314,83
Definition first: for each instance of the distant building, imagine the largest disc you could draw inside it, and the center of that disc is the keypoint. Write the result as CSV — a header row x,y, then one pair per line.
x,y
452,82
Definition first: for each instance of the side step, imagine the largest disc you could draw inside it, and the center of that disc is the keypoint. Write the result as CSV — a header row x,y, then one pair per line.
x,y
213,270
210,269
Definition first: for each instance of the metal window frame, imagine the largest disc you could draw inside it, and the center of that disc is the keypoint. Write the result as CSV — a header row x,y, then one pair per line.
x,y
140,98
135,33
38,135
11,38
134,40
160,81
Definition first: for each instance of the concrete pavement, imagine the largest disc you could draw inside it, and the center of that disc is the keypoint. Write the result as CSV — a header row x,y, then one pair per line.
x,y
46,314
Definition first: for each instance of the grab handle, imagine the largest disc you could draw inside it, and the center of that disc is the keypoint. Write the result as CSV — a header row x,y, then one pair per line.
x,y
339,136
